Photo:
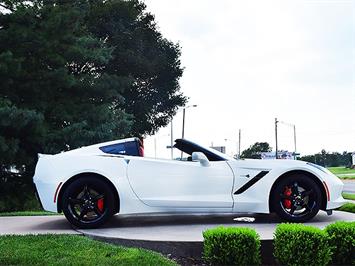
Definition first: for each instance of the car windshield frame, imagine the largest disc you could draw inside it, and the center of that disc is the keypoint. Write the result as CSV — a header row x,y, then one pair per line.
x,y
189,147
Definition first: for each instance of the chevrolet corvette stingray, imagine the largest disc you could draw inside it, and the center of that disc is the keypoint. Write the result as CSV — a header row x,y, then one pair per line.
x,y
91,184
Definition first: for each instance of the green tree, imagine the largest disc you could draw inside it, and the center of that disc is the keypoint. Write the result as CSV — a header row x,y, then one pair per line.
x,y
65,82
144,55
253,152
18,142
53,94
327,159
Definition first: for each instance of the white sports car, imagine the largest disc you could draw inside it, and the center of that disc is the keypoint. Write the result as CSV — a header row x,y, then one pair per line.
x,y
92,183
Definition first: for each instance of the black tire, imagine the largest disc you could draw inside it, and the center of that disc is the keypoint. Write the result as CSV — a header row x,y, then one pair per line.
x,y
88,202
296,198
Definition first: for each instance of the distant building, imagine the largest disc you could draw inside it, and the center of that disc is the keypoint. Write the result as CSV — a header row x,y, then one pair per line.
x,y
219,148
353,161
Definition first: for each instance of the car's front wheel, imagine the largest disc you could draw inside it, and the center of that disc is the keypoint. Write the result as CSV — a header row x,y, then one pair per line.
x,y
88,202
296,198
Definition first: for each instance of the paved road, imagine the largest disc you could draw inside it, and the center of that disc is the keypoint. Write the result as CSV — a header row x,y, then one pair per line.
x,y
349,186
173,227
23,225
349,174
189,228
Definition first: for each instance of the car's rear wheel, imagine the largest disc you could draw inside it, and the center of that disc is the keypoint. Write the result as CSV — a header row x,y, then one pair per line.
x,y
296,198
88,202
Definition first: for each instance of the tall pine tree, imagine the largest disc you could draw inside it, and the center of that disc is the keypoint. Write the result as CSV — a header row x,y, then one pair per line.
x,y
73,73
143,54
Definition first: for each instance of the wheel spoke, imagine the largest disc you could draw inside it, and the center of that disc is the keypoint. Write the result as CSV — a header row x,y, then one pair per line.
x,y
97,211
294,188
100,196
75,201
293,208
86,191
306,193
310,208
82,213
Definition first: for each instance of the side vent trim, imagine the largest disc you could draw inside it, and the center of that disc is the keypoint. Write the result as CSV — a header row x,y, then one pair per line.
x,y
251,182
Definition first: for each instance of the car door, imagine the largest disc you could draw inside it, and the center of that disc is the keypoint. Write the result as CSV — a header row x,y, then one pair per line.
x,y
181,184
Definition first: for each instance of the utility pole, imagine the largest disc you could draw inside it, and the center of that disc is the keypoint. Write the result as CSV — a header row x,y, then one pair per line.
x,y
183,123
276,121
183,119
171,140
183,128
294,139
294,134
239,139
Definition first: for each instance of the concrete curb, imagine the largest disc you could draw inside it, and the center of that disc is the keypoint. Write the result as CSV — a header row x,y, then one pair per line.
x,y
180,237
185,253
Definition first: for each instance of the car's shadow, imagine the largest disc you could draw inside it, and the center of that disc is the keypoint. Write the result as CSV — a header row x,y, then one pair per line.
x,y
52,225
187,219
148,220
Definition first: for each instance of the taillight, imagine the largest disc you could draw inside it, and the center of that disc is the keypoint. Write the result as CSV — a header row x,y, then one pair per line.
x,y
141,151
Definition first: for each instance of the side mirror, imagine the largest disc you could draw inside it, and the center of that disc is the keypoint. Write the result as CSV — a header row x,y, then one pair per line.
x,y
200,157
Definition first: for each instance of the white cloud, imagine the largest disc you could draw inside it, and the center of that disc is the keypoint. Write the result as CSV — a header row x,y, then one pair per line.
x,y
247,62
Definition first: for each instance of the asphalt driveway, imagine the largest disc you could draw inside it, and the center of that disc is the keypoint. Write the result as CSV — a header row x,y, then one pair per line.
x,y
349,185
24,225
157,227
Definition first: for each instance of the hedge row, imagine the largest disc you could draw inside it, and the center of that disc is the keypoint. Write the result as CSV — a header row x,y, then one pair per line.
x,y
298,244
342,242
294,244
231,246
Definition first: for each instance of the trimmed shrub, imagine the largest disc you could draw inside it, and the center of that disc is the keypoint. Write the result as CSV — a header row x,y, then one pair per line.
x,y
342,242
231,246
298,244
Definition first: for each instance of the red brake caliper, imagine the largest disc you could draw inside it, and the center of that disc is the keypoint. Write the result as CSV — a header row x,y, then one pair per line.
x,y
100,205
287,203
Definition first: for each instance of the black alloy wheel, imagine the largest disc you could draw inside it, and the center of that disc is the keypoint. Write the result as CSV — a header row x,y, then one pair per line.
x,y
88,202
296,198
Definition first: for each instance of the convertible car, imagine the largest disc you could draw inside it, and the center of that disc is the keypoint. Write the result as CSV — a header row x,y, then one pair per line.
x,y
92,183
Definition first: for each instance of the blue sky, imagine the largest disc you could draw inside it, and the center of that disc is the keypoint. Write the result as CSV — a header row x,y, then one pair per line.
x,y
247,62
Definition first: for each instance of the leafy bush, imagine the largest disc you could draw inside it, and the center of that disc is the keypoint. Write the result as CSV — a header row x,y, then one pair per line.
x,y
231,246
18,199
342,242
297,244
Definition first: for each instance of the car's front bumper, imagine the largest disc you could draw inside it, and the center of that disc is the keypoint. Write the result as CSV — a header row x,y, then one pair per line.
x,y
335,187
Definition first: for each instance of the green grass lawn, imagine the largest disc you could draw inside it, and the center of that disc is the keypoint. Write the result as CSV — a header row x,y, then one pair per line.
x,y
341,170
349,196
28,213
347,177
348,207
72,250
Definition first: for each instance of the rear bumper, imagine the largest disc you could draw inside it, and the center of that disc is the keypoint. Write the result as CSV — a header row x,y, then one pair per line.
x,y
37,196
46,192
